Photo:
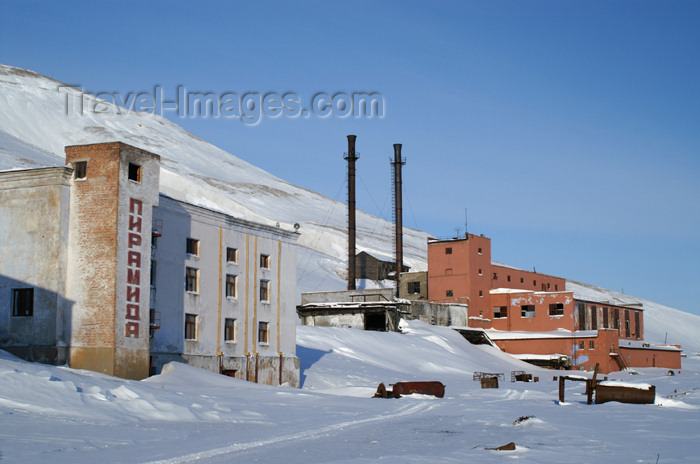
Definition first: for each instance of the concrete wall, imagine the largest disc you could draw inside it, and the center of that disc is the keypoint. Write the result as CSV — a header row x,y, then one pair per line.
x,y
376,294
216,233
439,314
34,211
414,277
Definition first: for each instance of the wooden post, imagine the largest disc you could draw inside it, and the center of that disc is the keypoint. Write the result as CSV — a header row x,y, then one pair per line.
x,y
561,388
591,384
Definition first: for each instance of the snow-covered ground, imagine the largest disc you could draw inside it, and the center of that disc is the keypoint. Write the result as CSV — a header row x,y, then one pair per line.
x,y
59,415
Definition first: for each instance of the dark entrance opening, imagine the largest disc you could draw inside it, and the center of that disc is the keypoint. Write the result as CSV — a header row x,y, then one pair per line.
x,y
375,321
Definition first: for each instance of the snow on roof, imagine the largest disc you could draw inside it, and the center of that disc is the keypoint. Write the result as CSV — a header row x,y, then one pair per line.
x,y
522,335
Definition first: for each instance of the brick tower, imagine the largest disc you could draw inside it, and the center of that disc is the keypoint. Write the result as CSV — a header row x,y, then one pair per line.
x,y
114,188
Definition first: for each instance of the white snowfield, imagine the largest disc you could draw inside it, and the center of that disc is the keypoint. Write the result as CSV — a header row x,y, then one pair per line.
x,y
60,415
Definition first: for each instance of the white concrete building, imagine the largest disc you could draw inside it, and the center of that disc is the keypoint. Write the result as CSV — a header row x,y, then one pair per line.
x,y
79,244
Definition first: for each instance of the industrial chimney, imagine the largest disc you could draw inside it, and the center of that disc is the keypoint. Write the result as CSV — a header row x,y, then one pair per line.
x,y
351,156
398,213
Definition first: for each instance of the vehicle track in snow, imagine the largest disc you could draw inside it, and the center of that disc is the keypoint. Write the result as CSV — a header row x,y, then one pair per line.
x,y
309,434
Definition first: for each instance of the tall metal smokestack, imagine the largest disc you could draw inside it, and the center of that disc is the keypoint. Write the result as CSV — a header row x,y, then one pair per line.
x,y
351,156
398,213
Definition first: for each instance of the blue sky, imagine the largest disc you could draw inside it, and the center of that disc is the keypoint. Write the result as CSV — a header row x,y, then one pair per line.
x,y
567,130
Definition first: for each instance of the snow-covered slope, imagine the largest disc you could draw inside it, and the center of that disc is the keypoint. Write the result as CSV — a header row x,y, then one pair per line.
x,y
35,128
60,415
37,121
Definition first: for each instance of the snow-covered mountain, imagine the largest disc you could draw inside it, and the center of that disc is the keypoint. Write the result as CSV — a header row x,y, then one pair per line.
x,y
37,121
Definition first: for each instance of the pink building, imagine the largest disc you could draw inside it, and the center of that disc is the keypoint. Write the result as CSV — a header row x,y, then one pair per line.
x,y
533,316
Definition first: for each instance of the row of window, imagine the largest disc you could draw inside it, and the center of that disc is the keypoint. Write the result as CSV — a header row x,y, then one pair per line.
x,y
80,171
231,284
230,329
192,248
448,251
501,312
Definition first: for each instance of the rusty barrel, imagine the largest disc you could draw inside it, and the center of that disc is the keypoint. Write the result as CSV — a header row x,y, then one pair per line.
x,y
425,388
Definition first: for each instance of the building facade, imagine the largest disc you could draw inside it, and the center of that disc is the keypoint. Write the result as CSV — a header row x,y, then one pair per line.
x,y
90,276
531,314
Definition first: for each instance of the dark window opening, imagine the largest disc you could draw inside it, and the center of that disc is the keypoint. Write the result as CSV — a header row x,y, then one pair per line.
x,y
230,330
192,246
192,280
264,290
232,255
448,250
263,332
500,312
134,172
265,261
190,326
527,311
414,288
230,285
22,302
153,273
556,309
448,293
80,169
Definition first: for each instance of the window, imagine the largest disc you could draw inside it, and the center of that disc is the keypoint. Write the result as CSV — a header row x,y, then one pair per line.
x,y
22,302
636,324
230,330
413,288
481,293
616,318
192,280
479,250
192,246
556,287
556,309
591,345
480,273
80,169
263,332
522,280
134,172
627,323
581,345
448,250
153,273
265,261
264,290
191,326
500,312
527,311
581,316
495,276
230,285
594,318
606,319
544,287
448,293
534,283
508,278
232,255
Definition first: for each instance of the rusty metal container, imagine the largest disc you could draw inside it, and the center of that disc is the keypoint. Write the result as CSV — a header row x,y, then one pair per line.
x,y
425,388
624,394
489,382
